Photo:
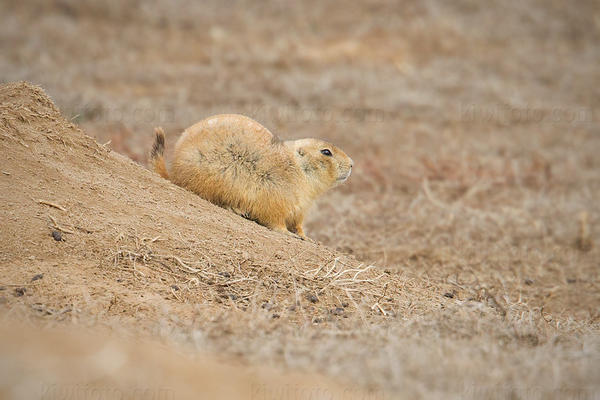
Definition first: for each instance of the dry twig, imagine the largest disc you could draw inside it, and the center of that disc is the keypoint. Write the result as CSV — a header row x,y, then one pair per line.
x,y
49,203
58,227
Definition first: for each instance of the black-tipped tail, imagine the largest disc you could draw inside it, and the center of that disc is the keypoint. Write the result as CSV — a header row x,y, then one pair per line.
x,y
157,158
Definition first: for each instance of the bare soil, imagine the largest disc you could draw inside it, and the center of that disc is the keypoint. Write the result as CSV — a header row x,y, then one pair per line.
x,y
459,261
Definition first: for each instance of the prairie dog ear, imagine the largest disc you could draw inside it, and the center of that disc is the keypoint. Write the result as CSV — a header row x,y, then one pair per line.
x,y
300,151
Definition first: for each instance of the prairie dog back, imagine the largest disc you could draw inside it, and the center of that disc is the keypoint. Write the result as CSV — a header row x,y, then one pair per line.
x,y
233,165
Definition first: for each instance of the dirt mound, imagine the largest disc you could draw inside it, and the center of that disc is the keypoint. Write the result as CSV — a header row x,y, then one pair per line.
x,y
126,233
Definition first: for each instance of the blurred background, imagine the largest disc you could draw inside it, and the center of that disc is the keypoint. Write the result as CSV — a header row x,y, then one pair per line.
x,y
474,126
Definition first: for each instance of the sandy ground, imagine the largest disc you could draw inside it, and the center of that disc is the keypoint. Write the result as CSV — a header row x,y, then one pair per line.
x,y
459,261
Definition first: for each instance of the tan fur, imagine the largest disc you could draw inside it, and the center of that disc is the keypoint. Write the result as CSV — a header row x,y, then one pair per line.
x,y
233,161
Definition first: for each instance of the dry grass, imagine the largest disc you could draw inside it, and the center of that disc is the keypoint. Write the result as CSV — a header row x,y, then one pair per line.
x,y
472,213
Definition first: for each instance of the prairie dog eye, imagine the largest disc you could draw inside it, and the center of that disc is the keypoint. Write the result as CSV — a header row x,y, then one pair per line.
x,y
326,152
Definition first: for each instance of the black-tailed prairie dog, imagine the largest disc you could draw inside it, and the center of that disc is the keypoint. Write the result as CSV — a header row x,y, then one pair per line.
x,y
236,163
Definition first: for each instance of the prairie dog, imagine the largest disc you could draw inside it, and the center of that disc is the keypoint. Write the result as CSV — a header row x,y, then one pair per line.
x,y
236,163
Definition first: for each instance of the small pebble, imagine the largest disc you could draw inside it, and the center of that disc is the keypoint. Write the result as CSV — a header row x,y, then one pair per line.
x,y
337,311
37,277
275,316
57,236
20,291
449,295
225,274
175,287
312,298
528,282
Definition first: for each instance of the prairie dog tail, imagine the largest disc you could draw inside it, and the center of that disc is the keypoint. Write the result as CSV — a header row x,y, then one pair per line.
x,y
157,159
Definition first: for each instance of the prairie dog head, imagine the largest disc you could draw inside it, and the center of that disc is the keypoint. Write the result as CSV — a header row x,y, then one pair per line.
x,y
324,164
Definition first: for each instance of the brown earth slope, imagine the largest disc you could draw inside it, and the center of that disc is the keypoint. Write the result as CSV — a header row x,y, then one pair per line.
x,y
125,227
